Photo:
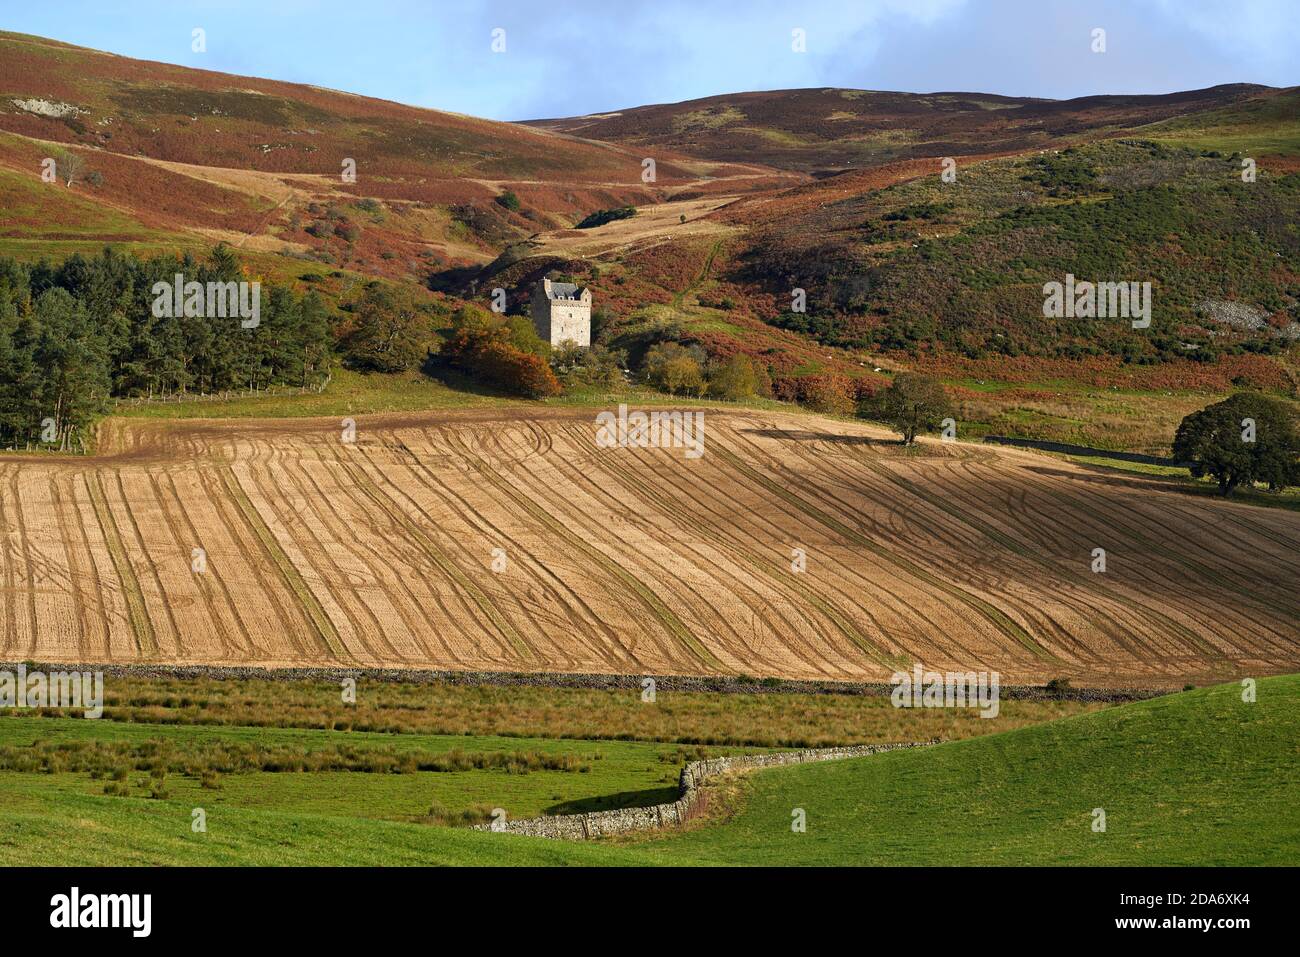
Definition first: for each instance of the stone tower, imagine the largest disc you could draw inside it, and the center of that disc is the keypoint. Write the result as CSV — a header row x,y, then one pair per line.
x,y
562,313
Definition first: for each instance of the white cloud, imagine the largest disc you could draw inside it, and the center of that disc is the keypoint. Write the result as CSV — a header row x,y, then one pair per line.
x,y
1266,30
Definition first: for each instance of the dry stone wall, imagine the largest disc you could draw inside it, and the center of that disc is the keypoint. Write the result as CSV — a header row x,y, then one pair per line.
x,y
595,824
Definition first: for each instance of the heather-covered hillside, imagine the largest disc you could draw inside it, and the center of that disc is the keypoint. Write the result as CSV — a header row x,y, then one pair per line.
x,y
824,130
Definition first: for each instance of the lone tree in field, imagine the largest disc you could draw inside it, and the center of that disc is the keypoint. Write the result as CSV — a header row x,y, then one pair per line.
x,y
1244,439
69,165
912,404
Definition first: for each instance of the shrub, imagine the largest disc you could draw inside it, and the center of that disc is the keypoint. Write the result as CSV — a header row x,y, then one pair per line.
x,y
509,200
503,353
596,366
466,817
674,368
827,393
520,372
602,323
733,379
603,216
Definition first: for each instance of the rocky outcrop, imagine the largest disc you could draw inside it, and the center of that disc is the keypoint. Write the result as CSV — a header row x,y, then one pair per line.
x,y
595,824
1245,317
50,108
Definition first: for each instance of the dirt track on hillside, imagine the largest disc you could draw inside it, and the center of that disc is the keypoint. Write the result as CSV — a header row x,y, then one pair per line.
x,y
380,553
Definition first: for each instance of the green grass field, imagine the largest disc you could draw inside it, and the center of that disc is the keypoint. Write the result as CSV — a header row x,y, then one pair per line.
x,y
726,719
348,393
1261,128
359,393
36,806
1194,778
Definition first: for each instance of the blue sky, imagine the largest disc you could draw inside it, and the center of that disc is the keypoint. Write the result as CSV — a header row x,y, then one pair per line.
x,y
566,57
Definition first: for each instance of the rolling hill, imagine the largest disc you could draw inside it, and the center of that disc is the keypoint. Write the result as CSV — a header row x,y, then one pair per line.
x,y
372,554
177,157
826,130
904,268
835,192
1183,780
55,91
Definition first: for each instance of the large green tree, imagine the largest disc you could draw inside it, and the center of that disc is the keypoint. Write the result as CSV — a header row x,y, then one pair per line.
x,y
734,378
20,381
389,331
73,334
71,355
1244,439
912,404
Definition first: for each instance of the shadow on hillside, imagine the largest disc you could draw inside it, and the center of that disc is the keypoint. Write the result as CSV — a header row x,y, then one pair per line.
x,y
610,802
1116,477
1101,475
808,435
437,369
456,280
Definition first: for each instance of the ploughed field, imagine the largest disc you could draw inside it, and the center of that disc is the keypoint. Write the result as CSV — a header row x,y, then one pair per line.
x,y
505,539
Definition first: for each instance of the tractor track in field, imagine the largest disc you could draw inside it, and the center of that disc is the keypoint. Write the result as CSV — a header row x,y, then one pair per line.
x,y
1115,524
913,606
763,567
1005,541
76,569
308,603
665,504
442,561
413,612
215,590
652,602
315,524
1000,619
174,528
577,611
379,554
586,478
6,554
946,532
242,535
141,626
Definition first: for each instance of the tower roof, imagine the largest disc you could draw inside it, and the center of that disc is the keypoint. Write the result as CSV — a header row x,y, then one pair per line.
x,y
561,290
